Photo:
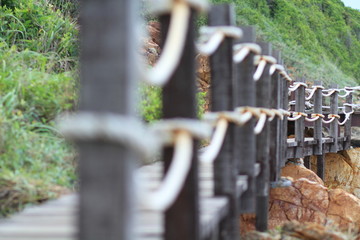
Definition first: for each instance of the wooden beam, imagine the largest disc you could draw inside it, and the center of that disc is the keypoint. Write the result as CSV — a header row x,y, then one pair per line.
x,y
108,79
244,145
225,172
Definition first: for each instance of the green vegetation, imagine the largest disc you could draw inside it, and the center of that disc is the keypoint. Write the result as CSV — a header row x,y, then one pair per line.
x,y
38,53
319,39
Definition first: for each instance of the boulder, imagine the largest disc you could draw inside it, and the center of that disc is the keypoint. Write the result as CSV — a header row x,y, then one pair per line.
x,y
308,200
342,170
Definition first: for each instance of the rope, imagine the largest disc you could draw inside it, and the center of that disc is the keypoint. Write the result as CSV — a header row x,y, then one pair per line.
x,y
347,117
212,151
330,92
260,124
296,85
281,69
296,116
126,131
174,46
160,7
214,36
314,117
163,197
261,62
332,117
242,50
313,90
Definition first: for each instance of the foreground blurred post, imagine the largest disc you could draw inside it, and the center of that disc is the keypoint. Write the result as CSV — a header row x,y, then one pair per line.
x,y
107,80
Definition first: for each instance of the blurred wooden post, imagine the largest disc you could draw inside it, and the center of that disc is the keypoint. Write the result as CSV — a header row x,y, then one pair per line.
x,y
244,145
347,127
263,87
225,171
179,101
334,126
284,125
275,124
318,148
108,79
300,123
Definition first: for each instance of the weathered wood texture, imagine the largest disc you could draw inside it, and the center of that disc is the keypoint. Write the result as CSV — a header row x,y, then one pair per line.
x,y
225,165
245,141
347,127
262,145
275,124
108,78
334,126
182,218
300,123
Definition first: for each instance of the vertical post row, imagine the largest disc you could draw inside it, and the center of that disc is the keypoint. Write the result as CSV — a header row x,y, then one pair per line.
x,y
318,147
347,127
334,126
275,124
244,146
300,123
225,172
108,76
182,218
263,87
284,126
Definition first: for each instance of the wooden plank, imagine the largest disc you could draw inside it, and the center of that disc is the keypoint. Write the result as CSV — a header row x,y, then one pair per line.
x,y
56,220
225,166
108,78
180,91
300,123
334,127
262,146
244,146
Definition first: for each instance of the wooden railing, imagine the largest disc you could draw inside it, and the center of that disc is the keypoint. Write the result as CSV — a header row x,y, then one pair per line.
x,y
250,103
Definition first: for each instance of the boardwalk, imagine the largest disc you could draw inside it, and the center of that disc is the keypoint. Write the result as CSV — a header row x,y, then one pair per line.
x,y
56,219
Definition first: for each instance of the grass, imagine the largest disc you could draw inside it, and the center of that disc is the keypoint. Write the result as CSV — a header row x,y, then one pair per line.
x,y
38,81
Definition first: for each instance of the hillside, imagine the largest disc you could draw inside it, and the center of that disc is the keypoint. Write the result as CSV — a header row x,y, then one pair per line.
x,y
320,39
38,53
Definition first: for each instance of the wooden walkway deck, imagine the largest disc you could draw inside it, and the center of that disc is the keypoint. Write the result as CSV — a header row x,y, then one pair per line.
x,y
57,219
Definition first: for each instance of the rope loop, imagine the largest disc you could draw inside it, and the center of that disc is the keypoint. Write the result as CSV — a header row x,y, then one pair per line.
x,y
213,36
296,85
330,92
127,131
169,127
261,62
281,70
169,59
160,7
242,50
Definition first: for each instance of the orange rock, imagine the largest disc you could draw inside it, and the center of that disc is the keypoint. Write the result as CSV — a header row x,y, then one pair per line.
x,y
298,171
344,208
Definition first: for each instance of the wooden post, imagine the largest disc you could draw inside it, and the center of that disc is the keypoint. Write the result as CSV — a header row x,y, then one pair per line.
x,y
108,79
263,87
275,125
300,123
318,147
284,126
334,126
347,127
182,218
244,145
307,162
225,173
